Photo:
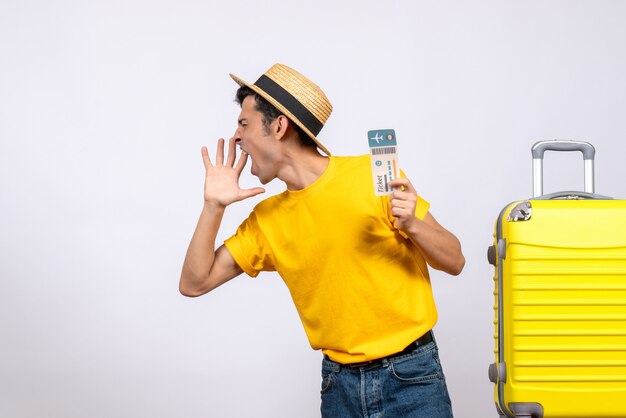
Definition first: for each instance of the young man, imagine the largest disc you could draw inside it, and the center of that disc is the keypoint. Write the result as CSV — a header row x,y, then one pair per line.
x,y
355,263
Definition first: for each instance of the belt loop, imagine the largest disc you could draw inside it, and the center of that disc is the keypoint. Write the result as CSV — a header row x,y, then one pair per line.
x,y
335,365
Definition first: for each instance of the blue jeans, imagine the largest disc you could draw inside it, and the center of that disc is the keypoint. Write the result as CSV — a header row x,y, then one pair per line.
x,y
407,386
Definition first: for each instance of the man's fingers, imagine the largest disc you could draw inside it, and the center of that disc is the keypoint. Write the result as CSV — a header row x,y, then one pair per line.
x,y
230,161
205,157
219,157
398,181
241,163
403,184
402,203
246,193
395,212
399,196
402,212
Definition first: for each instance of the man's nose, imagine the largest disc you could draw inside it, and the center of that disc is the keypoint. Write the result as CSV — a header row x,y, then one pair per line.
x,y
236,136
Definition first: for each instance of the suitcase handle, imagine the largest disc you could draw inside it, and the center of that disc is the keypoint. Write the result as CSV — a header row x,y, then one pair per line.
x,y
541,147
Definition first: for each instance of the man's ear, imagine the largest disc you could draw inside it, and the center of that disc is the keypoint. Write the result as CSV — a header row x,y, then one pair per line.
x,y
281,126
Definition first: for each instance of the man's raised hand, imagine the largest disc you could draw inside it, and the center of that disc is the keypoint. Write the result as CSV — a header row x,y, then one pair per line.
x,y
221,184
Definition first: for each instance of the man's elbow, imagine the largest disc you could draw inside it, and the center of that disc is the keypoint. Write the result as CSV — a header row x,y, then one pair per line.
x,y
185,291
187,287
457,267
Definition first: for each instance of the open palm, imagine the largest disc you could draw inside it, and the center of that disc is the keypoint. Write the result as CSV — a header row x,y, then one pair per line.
x,y
221,184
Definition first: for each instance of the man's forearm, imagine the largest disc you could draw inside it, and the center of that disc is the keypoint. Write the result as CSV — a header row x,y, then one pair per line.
x,y
201,252
441,249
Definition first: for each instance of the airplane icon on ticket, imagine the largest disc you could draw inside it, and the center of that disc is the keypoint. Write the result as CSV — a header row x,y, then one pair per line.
x,y
377,138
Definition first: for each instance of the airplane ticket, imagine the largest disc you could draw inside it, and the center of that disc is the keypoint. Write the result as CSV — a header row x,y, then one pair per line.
x,y
384,157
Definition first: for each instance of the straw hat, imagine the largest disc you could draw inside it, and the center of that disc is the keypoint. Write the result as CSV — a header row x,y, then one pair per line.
x,y
296,96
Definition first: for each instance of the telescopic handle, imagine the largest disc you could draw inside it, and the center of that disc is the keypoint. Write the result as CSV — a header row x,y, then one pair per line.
x,y
541,147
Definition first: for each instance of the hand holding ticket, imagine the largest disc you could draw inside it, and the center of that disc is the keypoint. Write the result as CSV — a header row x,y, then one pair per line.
x,y
384,157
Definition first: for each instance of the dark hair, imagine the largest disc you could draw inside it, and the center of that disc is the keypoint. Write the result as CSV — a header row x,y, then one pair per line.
x,y
270,113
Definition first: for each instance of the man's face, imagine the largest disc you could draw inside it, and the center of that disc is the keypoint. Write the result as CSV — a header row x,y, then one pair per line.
x,y
256,140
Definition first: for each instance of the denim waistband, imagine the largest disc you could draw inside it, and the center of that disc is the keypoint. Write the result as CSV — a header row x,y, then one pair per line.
x,y
423,340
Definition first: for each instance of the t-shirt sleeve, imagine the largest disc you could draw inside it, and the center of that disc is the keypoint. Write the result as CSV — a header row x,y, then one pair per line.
x,y
250,249
421,208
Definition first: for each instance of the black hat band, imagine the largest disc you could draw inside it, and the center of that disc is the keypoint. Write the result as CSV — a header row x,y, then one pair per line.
x,y
290,103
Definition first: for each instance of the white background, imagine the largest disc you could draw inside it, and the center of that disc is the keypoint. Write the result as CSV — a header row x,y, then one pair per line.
x,y
104,107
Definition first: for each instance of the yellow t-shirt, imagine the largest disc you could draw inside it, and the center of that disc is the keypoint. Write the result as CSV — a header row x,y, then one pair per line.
x,y
362,290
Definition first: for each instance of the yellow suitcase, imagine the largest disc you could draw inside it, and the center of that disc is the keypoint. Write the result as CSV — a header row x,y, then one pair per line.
x,y
560,300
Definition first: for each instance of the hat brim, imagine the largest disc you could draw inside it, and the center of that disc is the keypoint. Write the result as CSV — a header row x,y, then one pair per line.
x,y
281,108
